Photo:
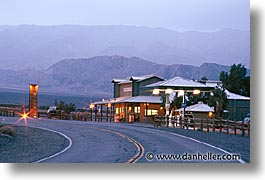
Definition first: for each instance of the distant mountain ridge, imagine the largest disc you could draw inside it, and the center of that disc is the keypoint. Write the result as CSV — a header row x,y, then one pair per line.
x,y
38,47
92,76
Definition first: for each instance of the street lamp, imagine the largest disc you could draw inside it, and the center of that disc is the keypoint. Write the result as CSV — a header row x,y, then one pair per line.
x,y
91,106
156,91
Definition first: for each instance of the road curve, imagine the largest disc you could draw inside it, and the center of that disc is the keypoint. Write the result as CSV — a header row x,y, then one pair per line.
x,y
120,143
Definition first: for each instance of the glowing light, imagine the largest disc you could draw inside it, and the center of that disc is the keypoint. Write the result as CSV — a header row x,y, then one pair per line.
x,y
109,105
210,114
155,91
181,93
92,106
196,91
23,116
169,91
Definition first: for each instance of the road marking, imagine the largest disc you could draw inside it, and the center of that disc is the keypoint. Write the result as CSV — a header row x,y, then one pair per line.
x,y
58,153
200,142
140,149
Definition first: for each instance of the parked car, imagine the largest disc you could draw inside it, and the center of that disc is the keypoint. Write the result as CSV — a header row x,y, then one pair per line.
x,y
246,119
52,109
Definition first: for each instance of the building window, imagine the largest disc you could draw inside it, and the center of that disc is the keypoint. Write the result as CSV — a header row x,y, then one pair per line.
x,y
151,112
137,109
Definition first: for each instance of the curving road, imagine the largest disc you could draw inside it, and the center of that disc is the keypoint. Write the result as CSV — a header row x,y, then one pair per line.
x,y
117,142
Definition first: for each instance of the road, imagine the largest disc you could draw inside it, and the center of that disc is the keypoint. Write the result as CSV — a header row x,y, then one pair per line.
x,y
117,142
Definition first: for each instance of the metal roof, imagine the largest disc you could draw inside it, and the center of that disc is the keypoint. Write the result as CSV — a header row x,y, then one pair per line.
x,y
119,80
200,107
142,78
137,78
232,96
179,83
142,99
114,100
125,82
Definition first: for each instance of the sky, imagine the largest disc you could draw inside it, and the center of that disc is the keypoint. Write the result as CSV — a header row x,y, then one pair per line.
x,y
180,15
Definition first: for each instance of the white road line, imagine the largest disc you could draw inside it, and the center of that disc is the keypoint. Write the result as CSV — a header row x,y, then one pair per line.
x,y
185,137
58,153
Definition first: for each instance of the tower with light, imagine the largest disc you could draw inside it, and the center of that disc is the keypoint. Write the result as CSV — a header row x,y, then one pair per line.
x,y
33,100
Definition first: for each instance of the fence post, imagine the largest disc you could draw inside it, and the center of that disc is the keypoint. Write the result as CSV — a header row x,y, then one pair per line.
x,y
235,127
167,120
207,120
180,122
248,128
213,125
227,126
201,124
220,125
243,128
193,124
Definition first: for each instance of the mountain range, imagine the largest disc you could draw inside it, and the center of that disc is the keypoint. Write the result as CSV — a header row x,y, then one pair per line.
x,y
93,76
39,47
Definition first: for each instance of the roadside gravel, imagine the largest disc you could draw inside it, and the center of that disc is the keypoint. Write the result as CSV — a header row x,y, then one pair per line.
x,y
30,145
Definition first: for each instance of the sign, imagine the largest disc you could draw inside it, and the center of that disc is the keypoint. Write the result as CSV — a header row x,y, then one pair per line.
x,y
128,89
184,105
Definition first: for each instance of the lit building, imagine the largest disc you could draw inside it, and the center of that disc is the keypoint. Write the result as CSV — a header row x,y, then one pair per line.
x,y
130,102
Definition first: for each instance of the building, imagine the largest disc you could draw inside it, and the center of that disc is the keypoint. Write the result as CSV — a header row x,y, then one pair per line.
x,y
238,106
130,102
199,110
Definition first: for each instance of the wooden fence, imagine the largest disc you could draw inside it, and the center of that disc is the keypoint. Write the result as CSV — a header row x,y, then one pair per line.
x,y
206,125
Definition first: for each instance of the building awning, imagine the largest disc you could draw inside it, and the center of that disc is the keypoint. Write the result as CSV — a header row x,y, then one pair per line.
x,y
200,107
142,99
179,83
111,101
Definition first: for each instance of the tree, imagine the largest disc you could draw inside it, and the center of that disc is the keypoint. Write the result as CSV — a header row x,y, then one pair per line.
x,y
62,106
218,99
237,80
203,80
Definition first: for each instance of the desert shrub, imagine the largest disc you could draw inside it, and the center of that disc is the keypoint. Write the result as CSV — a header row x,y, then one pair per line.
x,y
8,130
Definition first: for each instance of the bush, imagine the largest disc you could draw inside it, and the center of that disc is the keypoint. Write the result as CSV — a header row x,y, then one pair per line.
x,y
8,130
1,125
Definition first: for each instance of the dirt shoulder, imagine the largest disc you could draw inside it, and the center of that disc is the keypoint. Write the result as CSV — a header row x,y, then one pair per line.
x,y
30,144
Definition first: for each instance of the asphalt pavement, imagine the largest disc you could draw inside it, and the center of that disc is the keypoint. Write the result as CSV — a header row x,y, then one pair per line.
x,y
96,142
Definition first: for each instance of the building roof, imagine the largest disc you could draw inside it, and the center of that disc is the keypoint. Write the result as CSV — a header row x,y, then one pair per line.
x,y
213,83
114,100
142,99
135,78
200,107
119,80
179,83
233,96
125,82
142,78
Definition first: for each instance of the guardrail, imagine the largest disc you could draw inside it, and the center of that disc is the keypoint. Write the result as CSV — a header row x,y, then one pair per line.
x,y
207,125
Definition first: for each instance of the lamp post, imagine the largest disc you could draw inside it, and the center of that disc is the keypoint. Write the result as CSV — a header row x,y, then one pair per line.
x,y
108,106
181,93
91,106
